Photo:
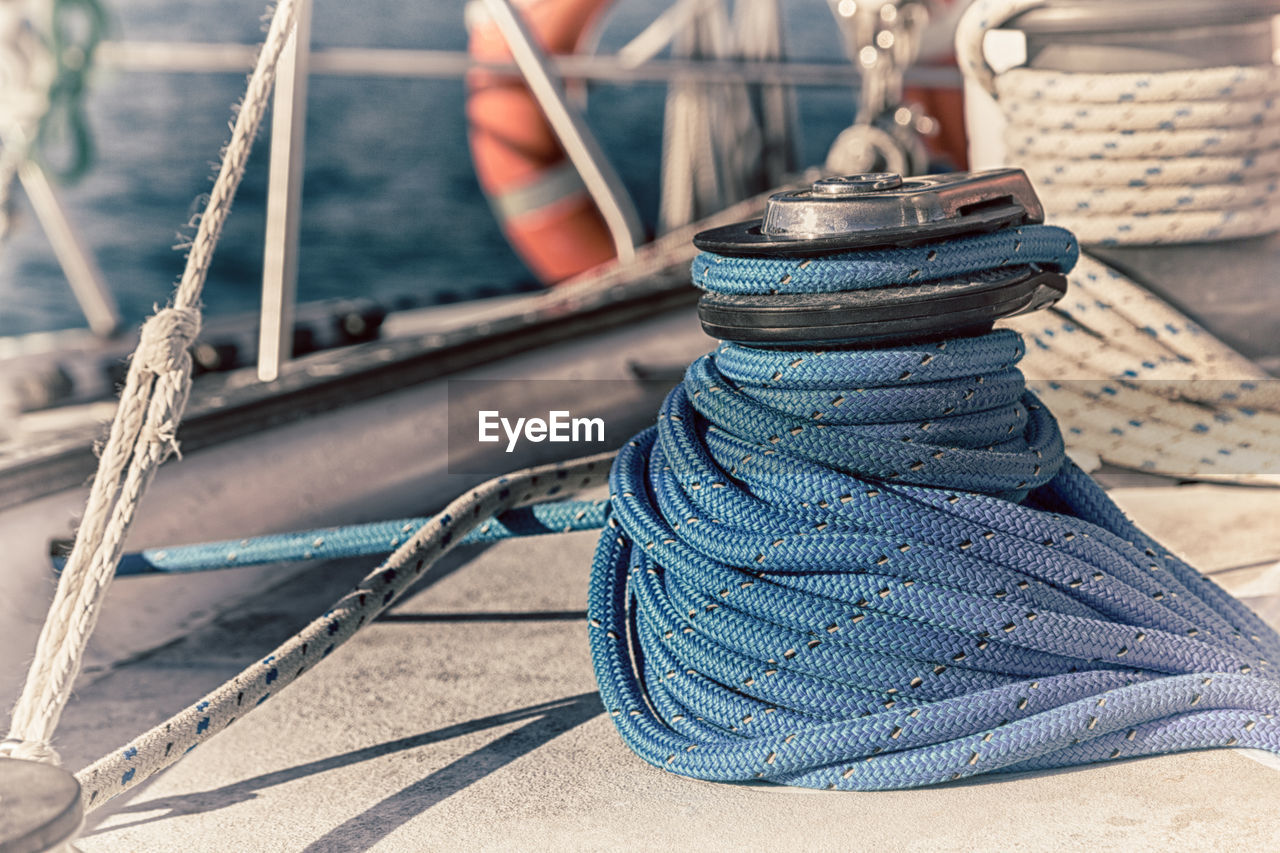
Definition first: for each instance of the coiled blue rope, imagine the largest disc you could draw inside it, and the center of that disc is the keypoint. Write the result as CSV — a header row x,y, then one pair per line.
x,y
877,569
1046,245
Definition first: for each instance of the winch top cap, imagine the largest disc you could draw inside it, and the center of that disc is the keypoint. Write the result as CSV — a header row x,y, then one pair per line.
x,y
877,209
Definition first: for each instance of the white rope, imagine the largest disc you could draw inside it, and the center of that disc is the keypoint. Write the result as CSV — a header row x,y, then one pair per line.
x,y
1143,158
141,437
1142,387
1138,158
166,743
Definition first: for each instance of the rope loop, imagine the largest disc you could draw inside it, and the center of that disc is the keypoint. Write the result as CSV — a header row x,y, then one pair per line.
x,y
29,750
75,29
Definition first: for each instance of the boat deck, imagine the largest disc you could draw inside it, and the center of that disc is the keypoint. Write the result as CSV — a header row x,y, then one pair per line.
x,y
466,718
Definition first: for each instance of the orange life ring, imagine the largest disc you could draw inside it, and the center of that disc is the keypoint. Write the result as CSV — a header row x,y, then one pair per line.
x,y
536,194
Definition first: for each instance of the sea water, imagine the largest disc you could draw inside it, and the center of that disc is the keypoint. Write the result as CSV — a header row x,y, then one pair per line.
x,y
391,208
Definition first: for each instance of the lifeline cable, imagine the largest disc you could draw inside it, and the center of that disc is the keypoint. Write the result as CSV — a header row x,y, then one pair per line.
x,y
851,569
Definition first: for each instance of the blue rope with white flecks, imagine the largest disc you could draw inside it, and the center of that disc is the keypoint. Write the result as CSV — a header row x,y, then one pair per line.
x,y
872,569
872,268
851,569
353,540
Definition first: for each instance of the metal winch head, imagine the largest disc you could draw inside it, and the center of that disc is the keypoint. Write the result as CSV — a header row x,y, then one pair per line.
x,y
879,210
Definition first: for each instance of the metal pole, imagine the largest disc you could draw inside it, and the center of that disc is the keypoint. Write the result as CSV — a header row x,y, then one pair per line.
x,y
584,152
86,280
284,200
654,38
208,58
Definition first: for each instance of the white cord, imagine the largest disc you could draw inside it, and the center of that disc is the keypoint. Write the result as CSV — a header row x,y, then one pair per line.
x,y
1168,157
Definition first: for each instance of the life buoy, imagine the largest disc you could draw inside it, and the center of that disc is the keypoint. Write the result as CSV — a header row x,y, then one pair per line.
x,y
536,194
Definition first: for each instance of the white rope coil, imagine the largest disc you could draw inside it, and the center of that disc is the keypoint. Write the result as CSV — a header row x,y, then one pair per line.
x,y
142,436
1138,158
1172,157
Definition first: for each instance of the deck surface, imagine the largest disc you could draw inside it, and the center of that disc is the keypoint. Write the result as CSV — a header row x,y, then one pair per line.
x,y
467,719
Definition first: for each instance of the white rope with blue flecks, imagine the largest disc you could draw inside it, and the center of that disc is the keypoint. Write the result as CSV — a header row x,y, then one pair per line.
x,y
1143,387
1146,158
152,751
1150,157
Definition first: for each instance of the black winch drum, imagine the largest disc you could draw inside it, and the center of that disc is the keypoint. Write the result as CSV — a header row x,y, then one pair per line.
x,y
870,211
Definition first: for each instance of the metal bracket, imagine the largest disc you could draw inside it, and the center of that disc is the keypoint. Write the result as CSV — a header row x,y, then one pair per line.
x,y
603,184
880,209
284,199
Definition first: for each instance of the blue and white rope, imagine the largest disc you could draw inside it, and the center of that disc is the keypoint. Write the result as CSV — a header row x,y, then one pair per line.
x,y
166,743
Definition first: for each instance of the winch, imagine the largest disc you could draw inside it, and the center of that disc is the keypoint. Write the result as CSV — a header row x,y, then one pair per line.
x,y
839,217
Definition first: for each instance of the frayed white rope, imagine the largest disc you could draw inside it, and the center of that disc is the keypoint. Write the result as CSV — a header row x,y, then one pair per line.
x,y
142,436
